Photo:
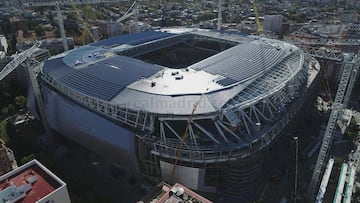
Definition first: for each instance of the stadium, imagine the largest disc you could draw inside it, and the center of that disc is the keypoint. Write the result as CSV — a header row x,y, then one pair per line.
x,y
132,98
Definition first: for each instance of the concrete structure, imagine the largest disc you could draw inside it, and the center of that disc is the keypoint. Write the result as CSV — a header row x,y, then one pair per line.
x,y
32,183
18,23
350,17
273,23
107,98
107,28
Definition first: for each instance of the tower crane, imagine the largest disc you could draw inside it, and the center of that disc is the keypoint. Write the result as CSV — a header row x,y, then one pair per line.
x,y
219,16
350,69
20,58
132,11
85,24
257,18
57,5
61,27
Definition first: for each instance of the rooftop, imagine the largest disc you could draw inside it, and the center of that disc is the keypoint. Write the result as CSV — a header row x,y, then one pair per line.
x,y
28,184
193,62
175,193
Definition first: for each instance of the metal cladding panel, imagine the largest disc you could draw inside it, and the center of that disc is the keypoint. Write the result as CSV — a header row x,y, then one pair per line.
x,y
105,79
132,39
226,81
91,130
241,62
56,68
84,54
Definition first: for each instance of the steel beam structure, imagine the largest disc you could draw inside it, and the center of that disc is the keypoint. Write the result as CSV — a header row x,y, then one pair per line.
x,y
39,100
323,53
61,27
18,59
347,68
137,119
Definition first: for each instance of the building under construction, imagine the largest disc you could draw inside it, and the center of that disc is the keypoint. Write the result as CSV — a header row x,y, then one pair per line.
x,y
210,101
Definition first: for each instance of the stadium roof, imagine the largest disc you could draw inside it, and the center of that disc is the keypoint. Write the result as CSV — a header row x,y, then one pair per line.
x,y
96,71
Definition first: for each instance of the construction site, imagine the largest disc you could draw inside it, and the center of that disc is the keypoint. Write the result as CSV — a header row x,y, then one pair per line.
x,y
221,113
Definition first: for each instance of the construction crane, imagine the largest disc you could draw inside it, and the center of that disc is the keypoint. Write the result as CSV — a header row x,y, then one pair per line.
x,y
131,11
61,27
86,31
20,58
349,67
257,18
219,16
183,138
57,5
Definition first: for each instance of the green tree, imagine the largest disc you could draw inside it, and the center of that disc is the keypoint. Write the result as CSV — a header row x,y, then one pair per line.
x,y
11,108
4,89
4,111
27,158
352,131
31,24
3,133
39,31
20,101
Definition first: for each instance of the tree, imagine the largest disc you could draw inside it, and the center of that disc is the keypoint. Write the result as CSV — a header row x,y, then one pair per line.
x,y
20,101
4,111
4,89
39,31
27,158
3,133
11,108
57,33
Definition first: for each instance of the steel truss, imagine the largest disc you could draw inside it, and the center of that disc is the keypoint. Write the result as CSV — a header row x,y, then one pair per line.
x,y
350,65
320,52
18,59
247,123
137,119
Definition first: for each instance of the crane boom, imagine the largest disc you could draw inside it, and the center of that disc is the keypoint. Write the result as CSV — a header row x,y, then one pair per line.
x,y
219,15
183,138
257,18
19,58
61,27
125,16
85,23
